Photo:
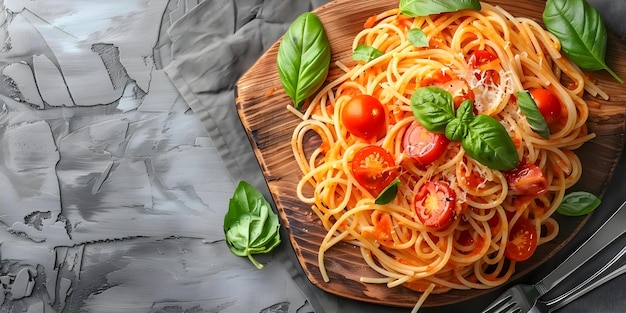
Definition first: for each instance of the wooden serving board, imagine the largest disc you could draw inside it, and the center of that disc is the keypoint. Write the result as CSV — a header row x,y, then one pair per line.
x,y
261,104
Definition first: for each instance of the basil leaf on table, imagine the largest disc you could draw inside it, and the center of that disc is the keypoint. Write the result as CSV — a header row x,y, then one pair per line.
x,y
433,107
250,225
303,57
488,142
389,193
366,53
535,119
416,8
578,203
582,34
417,37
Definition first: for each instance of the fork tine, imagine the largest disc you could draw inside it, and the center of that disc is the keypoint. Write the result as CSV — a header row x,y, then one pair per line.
x,y
510,307
500,304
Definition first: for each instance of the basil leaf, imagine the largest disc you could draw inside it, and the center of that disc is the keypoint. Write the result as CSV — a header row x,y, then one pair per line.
x,y
250,225
303,58
488,142
389,193
433,107
578,203
415,8
418,38
366,53
535,119
457,129
581,31
466,111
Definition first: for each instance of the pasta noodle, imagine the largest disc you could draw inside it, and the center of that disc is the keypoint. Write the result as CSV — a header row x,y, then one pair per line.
x,y
470,251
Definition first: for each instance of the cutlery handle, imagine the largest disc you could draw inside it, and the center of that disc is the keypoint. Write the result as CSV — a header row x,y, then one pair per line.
x,y
607,233
609,271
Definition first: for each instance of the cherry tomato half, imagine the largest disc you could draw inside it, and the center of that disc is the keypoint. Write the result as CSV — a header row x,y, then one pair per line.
x,y
434,204
522,241
365,117
526,179
483,61
548,104
374,168
422,145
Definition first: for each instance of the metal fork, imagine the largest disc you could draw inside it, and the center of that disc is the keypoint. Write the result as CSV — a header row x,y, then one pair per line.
x,y
521,297
609,271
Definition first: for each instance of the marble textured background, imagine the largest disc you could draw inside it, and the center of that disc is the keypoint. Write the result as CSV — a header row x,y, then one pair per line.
x,y
113,193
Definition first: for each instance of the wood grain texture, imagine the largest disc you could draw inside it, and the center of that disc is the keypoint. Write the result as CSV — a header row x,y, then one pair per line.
x,y
261,106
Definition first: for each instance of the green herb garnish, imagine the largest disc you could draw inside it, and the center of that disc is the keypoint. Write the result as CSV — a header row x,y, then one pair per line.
x,y
303,58
582,34
389,193
415,8
417,37
529,108
250,225
366,53
482,137
578,203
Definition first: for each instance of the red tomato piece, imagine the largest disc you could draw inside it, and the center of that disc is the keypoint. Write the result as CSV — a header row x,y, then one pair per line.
x,y
422,145
365,117
527,180
382,230
434,204
374,168
548,104
486,63
522,241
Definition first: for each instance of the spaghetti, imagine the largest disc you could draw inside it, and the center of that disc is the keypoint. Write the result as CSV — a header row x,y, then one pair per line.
x,y
486,56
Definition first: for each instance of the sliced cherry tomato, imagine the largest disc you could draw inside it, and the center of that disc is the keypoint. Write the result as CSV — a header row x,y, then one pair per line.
x,y
486,63
434,204
527,180
549,105
374,168
365,117
522,241
422,145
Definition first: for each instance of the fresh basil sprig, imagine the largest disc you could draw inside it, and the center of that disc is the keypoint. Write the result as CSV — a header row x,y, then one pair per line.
x,y
417,37
482,137
535,119
389,193
366,53
303,57
581,31
415,8
250,225
578,203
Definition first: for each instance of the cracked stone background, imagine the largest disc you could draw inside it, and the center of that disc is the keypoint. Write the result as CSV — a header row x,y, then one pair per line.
x,y
120,148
